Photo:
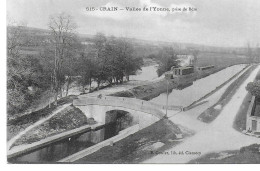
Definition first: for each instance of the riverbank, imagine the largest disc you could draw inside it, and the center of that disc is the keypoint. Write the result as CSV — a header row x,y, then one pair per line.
x,y
146,91
67,119
18,124
158,86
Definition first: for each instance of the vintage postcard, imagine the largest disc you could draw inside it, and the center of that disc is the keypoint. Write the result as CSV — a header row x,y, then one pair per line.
x,y
133,81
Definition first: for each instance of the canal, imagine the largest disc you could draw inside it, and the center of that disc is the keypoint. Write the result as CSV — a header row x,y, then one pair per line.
x,y
118,121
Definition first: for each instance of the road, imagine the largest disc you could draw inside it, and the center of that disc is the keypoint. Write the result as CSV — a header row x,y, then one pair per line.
x,y
215,137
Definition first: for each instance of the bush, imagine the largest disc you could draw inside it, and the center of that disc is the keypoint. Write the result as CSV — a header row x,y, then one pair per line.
x,y
254,88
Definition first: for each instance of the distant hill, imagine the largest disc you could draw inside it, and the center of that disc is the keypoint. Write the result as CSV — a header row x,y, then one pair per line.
x,y
36,37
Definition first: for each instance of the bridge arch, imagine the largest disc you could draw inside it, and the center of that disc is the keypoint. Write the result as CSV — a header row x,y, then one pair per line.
x,y
99,114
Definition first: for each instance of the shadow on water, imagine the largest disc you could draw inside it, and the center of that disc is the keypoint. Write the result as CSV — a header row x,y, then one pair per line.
x,y
116,121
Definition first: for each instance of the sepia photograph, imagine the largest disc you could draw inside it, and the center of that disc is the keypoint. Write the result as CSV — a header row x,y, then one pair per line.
x,y
132,82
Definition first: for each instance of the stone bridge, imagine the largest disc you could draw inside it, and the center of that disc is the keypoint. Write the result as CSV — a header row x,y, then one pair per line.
x,y
144,111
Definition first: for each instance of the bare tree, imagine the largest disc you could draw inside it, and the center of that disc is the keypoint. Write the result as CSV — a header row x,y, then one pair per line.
x,y
62,29
249,52
257,53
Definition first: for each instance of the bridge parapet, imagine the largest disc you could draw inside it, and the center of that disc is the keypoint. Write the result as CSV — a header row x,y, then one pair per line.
x,y
130,103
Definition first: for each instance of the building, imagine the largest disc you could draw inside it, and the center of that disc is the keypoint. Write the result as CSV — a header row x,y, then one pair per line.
x,y
253,116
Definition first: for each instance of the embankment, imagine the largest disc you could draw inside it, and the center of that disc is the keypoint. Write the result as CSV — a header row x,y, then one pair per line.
x,y
148,91
153,88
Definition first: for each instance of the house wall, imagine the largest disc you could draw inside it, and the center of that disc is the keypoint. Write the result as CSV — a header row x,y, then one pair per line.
x,y
251,119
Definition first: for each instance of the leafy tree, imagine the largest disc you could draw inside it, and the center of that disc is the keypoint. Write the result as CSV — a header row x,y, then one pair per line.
x,y
86,69
25,78
254,88
100,59
70,63
168,59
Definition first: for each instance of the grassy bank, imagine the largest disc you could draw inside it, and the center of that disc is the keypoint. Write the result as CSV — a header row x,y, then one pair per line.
x,y
148,91
246,155
68,119
18,124
154,89
140,146
211,113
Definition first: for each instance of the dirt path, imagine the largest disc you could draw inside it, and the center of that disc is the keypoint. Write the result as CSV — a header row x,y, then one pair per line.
x,y
217,136
11,141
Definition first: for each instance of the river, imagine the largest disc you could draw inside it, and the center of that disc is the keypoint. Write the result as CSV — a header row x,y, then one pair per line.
x,y
146,74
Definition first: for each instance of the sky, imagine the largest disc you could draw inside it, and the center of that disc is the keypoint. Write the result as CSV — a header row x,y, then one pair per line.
x,y
224,23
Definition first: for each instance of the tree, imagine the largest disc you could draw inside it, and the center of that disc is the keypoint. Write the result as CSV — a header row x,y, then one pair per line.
x,y
86,69
195,54
130,64
62,29
254,88
249,52
168,59
70,63
100,59
24,72
257,52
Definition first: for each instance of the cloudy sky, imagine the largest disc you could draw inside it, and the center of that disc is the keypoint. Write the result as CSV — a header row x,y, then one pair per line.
x,y
216,22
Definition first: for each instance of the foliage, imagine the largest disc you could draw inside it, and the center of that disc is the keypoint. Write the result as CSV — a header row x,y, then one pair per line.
x,y
62,58
85,69
108,61
168,59
25,78
254,88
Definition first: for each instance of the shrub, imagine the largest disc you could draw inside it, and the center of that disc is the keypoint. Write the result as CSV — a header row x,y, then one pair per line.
x,y
254,88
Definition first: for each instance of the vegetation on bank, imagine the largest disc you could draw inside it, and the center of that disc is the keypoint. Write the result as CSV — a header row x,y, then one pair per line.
x,y
61,58
167,58
68,119
148,91
254,88
240,120
20,122
246,155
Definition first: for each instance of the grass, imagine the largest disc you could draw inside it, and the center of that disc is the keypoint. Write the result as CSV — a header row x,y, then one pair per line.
x,y
211,113
68,119
240,120
246,155
220,60
137,147
18,124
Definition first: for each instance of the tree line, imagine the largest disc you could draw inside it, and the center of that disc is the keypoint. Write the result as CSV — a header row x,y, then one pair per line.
x,y
63,58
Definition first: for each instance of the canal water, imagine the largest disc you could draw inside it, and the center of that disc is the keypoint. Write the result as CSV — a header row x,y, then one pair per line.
x,y
198,89
68,146
147,73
